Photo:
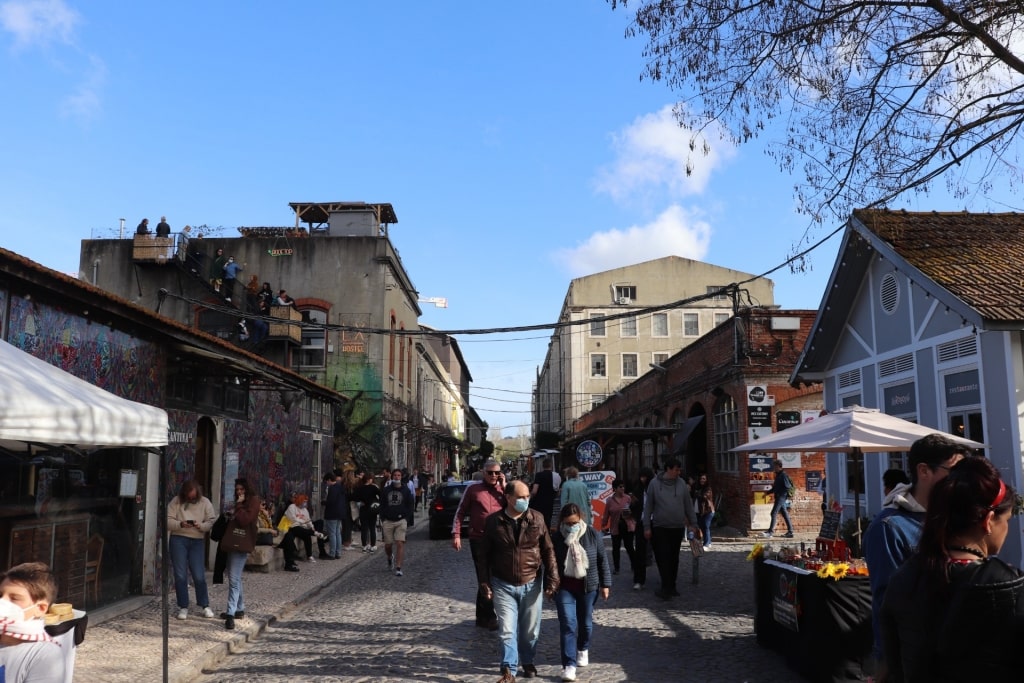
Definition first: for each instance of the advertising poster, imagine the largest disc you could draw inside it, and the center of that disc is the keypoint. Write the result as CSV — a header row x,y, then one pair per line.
x,y
760,516
230,474
599,486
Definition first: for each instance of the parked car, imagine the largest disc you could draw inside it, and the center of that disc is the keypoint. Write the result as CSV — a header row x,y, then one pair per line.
x,y
442,508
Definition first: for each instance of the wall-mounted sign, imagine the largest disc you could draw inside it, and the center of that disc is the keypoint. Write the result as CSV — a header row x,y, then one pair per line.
x,y
900,400
784,419
962,389
757,394
280,252
589,453
759,416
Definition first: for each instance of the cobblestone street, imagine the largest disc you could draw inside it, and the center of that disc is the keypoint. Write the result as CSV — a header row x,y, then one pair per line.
x,y
374,626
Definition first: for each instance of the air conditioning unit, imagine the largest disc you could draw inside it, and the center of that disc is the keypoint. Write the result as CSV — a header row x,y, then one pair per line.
x,y
623,300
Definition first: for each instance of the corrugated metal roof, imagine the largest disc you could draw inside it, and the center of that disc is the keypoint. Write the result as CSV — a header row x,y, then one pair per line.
x,y
978,257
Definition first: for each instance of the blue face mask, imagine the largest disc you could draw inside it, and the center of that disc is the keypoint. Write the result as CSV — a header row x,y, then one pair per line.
x,y
572,528
521,505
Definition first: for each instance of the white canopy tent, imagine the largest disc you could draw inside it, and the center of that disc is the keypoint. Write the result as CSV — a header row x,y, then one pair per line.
x,y
854,430
41,405
844,430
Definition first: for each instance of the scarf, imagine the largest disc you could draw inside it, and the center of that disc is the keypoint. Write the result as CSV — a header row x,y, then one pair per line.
x,y
576,562
30,630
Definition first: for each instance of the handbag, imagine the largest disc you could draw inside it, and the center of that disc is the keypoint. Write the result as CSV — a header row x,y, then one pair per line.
x,y
284,525
238,539
218,528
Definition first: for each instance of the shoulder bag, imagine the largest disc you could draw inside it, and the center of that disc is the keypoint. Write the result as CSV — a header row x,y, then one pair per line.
x,y
238,539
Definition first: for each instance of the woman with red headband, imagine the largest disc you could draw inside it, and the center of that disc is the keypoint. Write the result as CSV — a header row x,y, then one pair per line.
x,y
955,611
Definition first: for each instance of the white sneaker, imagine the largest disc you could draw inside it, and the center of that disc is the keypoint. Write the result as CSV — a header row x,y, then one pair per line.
x,y
582,657
637,586
373,548
569,673
183,613
311,559
398,572
366,548
207,613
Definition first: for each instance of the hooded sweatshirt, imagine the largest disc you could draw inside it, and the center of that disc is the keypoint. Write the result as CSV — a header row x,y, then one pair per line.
x,y
668,504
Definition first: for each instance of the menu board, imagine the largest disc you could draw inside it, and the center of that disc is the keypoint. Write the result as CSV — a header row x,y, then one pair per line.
x,y
830,525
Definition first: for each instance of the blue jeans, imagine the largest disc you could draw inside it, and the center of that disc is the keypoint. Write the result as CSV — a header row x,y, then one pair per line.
x,y
705,527
236,601
518,609
780,506
332,527
187,556
575,622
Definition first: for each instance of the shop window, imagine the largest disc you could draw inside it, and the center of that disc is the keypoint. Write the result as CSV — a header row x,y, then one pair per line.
x,y
727,425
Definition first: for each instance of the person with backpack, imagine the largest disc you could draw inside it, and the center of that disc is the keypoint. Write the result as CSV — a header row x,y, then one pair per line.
x,y
783,489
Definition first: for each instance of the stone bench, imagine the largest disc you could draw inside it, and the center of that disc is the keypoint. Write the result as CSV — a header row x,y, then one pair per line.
x,y
268,558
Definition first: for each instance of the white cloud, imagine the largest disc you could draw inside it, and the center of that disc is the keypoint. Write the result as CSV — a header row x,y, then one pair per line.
x,y
654,152
676,232
38,22
85,103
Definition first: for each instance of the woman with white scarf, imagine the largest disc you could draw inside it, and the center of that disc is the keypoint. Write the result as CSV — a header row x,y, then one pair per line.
x,y
585,571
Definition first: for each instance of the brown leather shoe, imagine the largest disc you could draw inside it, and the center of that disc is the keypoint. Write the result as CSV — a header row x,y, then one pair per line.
x,y
529,671
506,677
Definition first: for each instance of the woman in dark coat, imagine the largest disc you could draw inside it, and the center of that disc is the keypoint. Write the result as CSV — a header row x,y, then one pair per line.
x,y
954,611
584,572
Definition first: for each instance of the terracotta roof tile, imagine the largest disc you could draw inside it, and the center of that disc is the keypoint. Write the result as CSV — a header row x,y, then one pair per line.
x,y
978,257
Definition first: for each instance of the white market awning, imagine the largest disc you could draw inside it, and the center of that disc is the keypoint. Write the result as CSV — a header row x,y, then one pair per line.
x,y
42,404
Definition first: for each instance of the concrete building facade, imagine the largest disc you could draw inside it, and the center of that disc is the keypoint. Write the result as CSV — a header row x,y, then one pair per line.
x,y
353,325
609,337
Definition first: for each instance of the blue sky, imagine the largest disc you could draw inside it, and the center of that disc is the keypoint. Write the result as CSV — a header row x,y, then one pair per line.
x,y
515,141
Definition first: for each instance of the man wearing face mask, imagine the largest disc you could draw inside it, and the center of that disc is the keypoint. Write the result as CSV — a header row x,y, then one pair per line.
x,y
26,651
514,549
396,506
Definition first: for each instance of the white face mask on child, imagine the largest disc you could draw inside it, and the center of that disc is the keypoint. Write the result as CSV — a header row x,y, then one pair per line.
x,y
14,624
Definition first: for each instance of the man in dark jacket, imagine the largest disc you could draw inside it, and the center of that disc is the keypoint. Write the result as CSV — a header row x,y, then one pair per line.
x,y
514,549
335,509
396,504
780,491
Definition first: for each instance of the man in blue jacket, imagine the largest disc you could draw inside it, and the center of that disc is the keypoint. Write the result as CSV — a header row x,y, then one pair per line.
x,y
895,531
780,490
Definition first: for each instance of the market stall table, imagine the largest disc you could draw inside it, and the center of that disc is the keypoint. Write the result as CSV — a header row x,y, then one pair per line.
x,y
821,626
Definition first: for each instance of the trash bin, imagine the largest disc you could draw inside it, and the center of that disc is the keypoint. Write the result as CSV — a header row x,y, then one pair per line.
x,y
69,635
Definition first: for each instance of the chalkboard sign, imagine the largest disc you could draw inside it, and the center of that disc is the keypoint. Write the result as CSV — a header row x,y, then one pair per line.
x,y
830,525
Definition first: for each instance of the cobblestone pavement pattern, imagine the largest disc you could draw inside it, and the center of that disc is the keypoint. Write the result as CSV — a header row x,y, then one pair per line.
x,y
374,626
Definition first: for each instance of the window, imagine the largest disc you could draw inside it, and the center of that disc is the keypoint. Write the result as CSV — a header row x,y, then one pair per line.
x,y
721,318
401,354
659,325
627,326
597,399
597,365
691,325
629,365
660,358
727,425
391,346
625,294
596,325
718,292
314,336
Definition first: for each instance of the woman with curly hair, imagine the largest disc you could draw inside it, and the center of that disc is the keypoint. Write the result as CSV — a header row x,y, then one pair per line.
x,y
954,611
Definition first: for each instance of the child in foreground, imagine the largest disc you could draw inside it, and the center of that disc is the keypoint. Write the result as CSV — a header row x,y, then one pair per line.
x,y
27,654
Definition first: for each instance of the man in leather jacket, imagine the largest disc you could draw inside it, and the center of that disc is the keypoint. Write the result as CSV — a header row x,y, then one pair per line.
x,y
514,549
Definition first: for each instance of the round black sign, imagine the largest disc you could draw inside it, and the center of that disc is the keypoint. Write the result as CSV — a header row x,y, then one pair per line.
x,y
757,394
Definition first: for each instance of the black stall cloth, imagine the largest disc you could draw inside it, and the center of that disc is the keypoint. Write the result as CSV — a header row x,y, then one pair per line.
x,y
821,626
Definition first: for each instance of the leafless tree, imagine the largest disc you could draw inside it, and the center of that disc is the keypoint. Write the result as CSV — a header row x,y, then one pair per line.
x,y
871,98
